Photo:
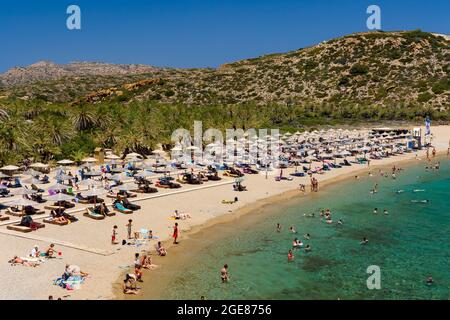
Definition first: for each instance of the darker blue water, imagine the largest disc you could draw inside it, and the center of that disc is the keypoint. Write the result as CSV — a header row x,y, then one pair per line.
x,y
408,245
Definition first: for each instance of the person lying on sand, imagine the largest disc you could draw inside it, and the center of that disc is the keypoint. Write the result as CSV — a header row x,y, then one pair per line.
x,y
181,216
26,263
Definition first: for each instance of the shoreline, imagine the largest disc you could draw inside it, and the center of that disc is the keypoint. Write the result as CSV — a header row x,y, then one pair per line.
x,y
204,205
178,255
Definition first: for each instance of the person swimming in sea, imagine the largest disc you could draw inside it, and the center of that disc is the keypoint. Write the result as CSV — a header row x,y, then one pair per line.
x,y
420,201
364,241
430,280
290,256
385,212
307,236
340,222
278,227
375,211
292,229
308,248
297,243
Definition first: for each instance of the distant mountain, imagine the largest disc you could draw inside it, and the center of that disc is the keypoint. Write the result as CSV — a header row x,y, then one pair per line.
x,y
384,68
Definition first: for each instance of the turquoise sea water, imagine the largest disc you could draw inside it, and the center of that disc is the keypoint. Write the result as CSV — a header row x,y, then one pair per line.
x,y
409,244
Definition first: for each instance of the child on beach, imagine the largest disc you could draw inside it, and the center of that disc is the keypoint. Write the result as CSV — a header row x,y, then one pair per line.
x,y
129,225
175,233
114,235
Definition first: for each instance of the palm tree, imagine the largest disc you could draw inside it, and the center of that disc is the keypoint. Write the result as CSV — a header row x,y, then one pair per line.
x,y
83,119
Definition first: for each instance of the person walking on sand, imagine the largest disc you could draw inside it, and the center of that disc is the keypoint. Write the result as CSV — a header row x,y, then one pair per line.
x,y
129,226
114,235
175,233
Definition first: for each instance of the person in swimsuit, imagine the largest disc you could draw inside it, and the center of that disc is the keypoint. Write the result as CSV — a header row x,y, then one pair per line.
x,y
224,274
278,227
364,241
308,248
175,233
290,256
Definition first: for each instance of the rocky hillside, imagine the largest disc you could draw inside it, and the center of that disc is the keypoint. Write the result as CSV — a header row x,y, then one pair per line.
x,y
383,68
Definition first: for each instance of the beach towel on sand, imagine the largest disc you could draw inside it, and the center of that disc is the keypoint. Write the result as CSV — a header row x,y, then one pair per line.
x,y
72,283
120,206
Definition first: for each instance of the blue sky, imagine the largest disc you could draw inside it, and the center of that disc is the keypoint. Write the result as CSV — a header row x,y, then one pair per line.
x,y
193,33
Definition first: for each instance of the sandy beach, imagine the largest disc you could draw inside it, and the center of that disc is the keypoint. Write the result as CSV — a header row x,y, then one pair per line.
x,y
87,242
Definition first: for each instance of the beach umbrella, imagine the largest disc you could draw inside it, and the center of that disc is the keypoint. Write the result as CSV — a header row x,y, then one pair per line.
x,y
112,157
93,173
64,177
133,155
32,180
89,160
21,191
89,183
144,174
2,175
21,202
9,168
94,193
125,187
65,162
58,186
38,165
59,197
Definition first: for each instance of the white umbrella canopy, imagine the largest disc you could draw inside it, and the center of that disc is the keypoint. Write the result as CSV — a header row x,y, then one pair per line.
x,y
32,180
21,202
94,192
65,162
64,177
38,165
10,168
145,174
89,160
133,155
118,176
90,182
21,191
112,157
58,186
59,197
125,187
2,175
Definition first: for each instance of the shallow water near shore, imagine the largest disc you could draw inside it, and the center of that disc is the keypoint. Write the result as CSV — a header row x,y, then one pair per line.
x,y
409,244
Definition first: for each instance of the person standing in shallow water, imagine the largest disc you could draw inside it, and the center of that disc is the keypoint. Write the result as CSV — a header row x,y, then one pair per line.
x,y
224,274
175,233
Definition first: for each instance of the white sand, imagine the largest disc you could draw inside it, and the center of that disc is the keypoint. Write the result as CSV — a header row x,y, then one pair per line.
x,y
18,282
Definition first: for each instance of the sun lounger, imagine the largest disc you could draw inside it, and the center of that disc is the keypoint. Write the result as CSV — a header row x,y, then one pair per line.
x,y
120,208
52,221
21,213
53,208
92,215
19,228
